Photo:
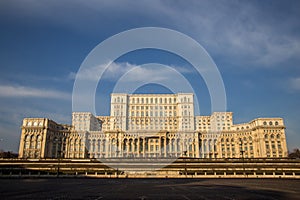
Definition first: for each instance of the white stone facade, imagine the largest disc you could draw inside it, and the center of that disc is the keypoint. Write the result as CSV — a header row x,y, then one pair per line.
x,y
153,125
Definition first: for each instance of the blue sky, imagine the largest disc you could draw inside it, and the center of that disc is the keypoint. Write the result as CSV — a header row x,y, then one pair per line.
x,y
255,45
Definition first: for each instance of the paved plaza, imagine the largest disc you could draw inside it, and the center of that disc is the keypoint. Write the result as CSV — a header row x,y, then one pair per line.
x,y
85,188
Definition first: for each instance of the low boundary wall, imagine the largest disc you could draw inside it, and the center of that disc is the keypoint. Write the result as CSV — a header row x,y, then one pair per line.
x,y
144,168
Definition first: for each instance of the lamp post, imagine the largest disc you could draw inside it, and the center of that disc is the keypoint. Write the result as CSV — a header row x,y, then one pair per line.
x,y
58,162
58,153
242,152
184,160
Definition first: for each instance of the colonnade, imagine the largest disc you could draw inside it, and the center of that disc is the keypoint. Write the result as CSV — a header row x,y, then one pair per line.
x,y
143,146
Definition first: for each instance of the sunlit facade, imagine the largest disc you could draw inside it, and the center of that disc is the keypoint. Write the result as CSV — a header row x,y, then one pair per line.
x,y
152,125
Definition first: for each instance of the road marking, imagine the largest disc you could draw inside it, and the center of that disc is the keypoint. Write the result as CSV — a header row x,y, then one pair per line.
x,y
185,197
142,197
172,188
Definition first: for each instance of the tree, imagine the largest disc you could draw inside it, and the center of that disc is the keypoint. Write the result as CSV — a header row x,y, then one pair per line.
x,y
295,154
8,154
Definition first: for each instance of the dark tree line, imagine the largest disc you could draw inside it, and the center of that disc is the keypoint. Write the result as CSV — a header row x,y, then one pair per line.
x,y
8,154
294,154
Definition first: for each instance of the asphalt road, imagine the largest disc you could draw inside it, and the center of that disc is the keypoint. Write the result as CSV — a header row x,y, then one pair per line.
x,y
149,188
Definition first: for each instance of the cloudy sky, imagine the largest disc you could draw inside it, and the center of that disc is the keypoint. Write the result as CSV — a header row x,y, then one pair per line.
x,y
254,44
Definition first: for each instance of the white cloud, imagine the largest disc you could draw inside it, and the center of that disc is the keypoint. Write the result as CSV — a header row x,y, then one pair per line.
x,y
11,116
244,33
21,91
115,70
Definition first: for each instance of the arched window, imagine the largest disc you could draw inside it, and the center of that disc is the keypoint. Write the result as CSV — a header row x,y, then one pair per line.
x,y
71,144
266,136
27,141
278,136
75,144
32,138
276,123
38,141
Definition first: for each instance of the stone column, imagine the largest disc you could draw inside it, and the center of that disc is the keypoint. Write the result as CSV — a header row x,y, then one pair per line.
x,y
202,148
248,147
276,146
144,146
22,144
197,145
283,144
193,148
175,146
109,147
165,145
159,144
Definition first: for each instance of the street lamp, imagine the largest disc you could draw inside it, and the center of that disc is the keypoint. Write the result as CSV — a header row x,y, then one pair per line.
x,y
242,152
184,160
58,153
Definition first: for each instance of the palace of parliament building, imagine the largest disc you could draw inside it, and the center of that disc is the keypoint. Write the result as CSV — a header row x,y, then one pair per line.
x,y
152,125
